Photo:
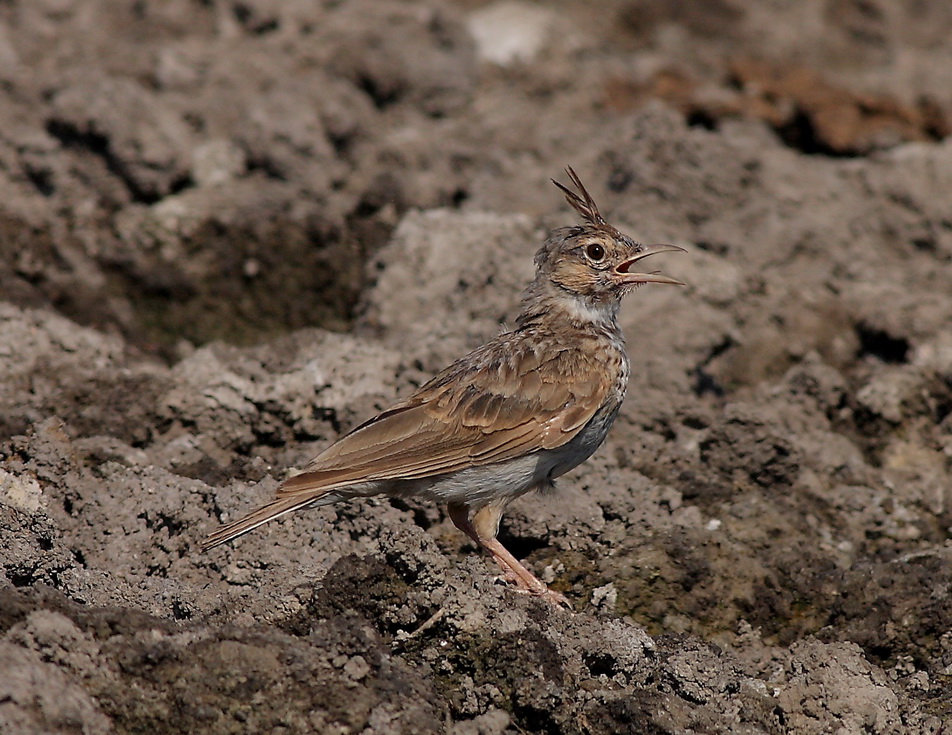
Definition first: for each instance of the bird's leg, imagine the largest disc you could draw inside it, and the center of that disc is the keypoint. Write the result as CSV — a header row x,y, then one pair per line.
x,y
459,514
482,528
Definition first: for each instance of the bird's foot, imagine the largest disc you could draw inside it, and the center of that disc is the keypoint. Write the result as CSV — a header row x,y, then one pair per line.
x,y
537,588
556,598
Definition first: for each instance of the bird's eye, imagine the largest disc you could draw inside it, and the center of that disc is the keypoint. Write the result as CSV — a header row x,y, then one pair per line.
x,y
595,251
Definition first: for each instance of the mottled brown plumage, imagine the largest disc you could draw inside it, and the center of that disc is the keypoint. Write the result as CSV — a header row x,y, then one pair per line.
x,y
509,417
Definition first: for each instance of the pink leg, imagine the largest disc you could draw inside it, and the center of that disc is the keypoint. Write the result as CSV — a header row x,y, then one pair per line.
x,y
482,529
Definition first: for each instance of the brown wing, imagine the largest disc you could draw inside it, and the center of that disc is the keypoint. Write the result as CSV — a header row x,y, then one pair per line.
x,y
500,402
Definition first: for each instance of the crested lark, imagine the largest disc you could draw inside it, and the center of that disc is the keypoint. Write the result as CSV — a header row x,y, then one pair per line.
x,y
508,418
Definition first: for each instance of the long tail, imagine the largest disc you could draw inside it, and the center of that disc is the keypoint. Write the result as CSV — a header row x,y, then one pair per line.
x,y
274,509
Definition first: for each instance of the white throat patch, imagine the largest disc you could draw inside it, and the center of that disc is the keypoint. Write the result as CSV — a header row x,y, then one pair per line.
x,y
584,311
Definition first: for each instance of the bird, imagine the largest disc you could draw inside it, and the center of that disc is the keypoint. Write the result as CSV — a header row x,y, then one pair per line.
x,y
508,418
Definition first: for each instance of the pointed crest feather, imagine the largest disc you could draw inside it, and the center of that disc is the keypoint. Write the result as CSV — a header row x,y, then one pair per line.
x,y
584,204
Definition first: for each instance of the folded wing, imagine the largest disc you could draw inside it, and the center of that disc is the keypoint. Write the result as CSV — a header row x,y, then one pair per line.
x,y
496,405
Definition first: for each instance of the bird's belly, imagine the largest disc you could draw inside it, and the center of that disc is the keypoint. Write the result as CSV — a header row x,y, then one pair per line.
x,y
477,486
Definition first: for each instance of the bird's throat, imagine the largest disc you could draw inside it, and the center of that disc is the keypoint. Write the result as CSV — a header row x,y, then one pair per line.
x,y
583,311
559,305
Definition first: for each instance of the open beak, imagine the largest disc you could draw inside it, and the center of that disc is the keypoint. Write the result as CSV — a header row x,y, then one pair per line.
x,y
623,270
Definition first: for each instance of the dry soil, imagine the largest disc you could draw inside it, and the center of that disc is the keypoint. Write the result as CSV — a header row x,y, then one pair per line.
x,y
231,231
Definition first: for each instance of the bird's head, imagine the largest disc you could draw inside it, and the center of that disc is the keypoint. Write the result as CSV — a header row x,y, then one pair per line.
x,y
592,265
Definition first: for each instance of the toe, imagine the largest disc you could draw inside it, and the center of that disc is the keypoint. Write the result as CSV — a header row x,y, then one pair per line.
x,y
556,598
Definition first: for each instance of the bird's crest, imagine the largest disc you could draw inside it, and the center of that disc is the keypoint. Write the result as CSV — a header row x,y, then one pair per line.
x,y
583,204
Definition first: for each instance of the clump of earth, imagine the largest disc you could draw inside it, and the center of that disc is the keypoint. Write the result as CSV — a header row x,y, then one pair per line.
x,y
230,232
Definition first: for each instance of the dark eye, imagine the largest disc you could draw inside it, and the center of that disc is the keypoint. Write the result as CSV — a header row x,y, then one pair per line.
x,y
595,251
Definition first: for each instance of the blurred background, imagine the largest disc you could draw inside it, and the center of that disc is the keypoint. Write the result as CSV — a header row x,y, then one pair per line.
x,y
199,170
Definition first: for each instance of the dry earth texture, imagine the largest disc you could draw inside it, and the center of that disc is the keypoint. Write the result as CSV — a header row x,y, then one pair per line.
x,y
230,231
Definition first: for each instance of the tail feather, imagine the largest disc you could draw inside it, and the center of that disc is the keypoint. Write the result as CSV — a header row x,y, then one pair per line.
x,y
274,509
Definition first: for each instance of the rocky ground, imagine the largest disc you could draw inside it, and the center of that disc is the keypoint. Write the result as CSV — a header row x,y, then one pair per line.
x,y
231,231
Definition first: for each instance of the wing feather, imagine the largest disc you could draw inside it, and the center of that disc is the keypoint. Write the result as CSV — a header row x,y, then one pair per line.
x,y
494,406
